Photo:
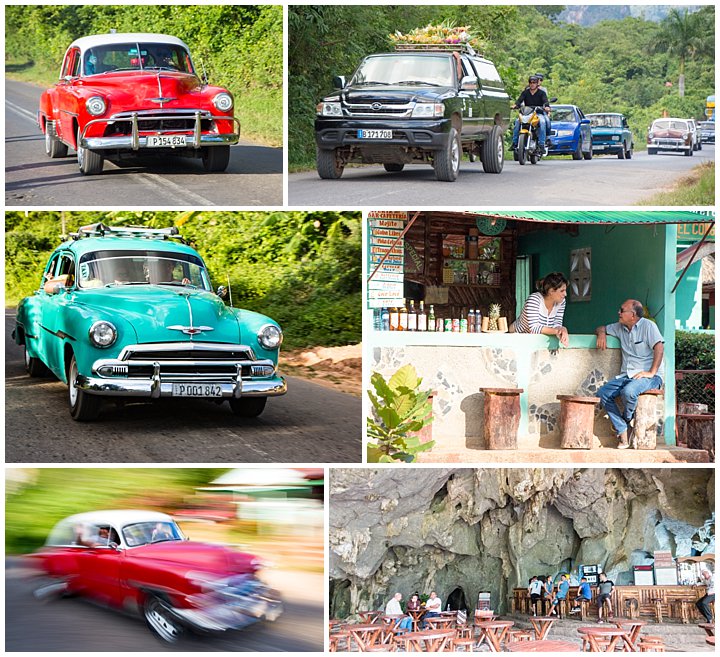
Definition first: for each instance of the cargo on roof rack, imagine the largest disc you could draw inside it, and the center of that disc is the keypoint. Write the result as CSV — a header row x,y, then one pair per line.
x,y
101,230
442,47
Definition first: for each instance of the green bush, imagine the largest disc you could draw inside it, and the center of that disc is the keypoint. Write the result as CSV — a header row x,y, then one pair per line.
x,y
695,351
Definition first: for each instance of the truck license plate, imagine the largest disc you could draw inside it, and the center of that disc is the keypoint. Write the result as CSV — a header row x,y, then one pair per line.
x,y
196,390
374,134
166,141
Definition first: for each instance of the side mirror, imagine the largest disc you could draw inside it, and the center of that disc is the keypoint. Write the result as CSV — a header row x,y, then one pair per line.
x,y
68,78
339,82
584,121
469,83
553,99
222,292
57,288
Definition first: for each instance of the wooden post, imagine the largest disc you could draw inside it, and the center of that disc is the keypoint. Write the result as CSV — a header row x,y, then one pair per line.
x,y
501,417
577,417
645,430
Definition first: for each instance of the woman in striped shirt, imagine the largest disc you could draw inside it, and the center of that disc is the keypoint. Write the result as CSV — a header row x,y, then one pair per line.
x,y
543,311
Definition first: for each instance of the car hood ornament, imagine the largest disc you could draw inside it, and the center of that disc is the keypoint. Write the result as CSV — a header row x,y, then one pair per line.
x,y
189,330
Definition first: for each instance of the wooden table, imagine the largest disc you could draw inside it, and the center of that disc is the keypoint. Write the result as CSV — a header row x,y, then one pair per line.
x,y
366,634
416,614
494,632
440,622
369,616
612,634
427,641
542,625
632,627
546,645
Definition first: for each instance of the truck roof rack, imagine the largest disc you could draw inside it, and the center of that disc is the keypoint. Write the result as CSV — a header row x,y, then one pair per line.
x,y
101,230
465,48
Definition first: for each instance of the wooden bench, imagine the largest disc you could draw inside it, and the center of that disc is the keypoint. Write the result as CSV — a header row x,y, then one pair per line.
x,y
577,419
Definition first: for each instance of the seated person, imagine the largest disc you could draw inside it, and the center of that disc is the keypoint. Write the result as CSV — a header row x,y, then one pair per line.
x,y
544,310
584,593
63,280
562,592
433,607
393,608
166,273
161,532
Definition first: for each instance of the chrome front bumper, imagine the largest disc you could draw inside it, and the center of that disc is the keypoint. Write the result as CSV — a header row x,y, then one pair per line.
x,y
195,139
221,617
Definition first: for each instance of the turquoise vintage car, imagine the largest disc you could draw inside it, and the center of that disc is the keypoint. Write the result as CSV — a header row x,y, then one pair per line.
x,y
130,313
611,134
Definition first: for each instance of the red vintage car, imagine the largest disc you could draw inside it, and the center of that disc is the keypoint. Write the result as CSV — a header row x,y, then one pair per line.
x,y
139,561
123,95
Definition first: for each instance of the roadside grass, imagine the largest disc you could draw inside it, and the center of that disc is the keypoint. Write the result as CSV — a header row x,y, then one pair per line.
x,y
697,188
260,111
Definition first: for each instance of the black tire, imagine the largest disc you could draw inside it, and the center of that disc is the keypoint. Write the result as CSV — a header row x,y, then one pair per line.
x,y
534,158
90,163
629,153
34,366
393,167
54,148
578,152
161,621
699,145
621,153
589,154
652,151
248,406
447,162
329,165
522,149
83,407
689,152
493,151
215,158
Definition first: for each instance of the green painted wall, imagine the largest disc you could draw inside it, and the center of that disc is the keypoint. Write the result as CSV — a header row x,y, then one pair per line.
x,y
688,304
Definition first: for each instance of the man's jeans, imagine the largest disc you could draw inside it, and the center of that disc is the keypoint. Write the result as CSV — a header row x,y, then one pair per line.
x,y
541,131
703,606
628,390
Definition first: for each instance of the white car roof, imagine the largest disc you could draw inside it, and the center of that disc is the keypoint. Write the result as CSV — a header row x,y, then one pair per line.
x,y
118,518
125,37
670,118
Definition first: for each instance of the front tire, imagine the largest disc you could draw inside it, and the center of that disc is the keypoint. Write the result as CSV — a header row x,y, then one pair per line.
x,y
588,155
216,158
248,406
578,152
54,148
689,152
90,163
83,407
493,151
394,167
629,153
34,366
329,165
447,162
522,149
161,621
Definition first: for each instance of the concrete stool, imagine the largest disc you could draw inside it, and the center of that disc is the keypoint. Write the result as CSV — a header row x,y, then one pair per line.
x,y
577,416
645,429
501,417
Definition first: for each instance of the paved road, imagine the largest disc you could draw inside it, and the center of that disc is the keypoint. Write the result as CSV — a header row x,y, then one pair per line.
x,y
310,424
604,180
75,625
253,178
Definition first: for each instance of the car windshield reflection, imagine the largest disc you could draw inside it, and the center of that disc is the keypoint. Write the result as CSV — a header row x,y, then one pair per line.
x,y
145,533
136,57
606,121
405,69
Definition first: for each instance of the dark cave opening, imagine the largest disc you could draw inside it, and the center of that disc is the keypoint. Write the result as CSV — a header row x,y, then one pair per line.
x,y
456,600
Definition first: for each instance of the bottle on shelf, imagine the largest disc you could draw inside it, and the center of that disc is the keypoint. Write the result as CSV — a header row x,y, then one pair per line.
x,y
412,317
394,319
431,319
463,321
403,326
471,321
422,319
478,321
385,319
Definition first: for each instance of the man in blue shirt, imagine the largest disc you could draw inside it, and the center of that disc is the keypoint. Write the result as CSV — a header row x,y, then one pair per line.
x,y
584,593
642,347
563,588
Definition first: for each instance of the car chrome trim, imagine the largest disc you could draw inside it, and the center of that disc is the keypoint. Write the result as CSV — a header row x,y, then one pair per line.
x,y
130,351
58,334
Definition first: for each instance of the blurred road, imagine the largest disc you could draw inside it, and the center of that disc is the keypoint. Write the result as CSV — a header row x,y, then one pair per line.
x,y
310,424
253,178
75,625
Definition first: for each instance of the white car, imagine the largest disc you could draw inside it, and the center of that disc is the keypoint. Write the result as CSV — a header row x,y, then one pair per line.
x,y
695,131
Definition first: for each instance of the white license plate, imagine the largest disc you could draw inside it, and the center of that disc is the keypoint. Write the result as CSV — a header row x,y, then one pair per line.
x,y
166,141
196,390
374,134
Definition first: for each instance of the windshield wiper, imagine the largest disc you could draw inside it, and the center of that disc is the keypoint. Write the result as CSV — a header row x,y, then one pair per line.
x,y
180,283
125,283
363,84
430,84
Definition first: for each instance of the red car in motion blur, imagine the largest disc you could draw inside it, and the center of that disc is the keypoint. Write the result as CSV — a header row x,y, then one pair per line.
x,y
139,561
123,95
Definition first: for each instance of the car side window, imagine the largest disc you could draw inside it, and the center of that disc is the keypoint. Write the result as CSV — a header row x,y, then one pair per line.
x,y
66,269
75,64
50,270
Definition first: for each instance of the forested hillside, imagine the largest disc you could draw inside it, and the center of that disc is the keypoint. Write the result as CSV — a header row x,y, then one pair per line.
x,y
630,65
300,268
240,47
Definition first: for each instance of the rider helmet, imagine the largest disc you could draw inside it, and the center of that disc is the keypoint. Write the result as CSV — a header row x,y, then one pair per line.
x,y
533,78
540,76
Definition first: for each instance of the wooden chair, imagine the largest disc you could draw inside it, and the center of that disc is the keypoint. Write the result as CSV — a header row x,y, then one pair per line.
x,y
657,604
463,644
521,635
650,643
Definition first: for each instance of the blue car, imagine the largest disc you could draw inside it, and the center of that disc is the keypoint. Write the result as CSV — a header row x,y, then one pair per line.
x,y
570,133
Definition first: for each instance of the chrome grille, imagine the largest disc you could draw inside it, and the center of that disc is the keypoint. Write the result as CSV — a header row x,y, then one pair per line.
x,y
387,108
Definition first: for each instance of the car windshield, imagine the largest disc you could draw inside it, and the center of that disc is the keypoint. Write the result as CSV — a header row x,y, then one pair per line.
x,y
605,121
110,269
708,126
136,57
666,124
405,69
144,533
566,114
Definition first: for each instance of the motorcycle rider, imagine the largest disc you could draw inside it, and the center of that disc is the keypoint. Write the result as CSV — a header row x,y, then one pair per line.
x,y
545,116
533,96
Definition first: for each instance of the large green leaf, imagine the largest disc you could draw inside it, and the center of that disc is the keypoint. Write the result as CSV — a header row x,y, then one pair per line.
x,y
406,377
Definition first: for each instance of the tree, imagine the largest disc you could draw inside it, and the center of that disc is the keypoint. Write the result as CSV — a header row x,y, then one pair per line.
x,y
682,36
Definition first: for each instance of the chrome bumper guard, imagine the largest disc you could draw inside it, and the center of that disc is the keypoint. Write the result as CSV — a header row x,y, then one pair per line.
x,y
135,141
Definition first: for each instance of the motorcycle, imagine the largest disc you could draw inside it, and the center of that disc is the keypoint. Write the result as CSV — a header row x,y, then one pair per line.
x,y
528,147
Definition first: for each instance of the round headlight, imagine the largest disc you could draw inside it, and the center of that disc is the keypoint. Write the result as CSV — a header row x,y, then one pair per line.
x,y
96,105
102,334
270,336
223,102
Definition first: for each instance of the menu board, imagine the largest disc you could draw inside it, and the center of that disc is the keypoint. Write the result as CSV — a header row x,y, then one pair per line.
x,y
386,258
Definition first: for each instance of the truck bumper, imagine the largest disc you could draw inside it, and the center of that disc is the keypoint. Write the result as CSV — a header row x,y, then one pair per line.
x,y
421,135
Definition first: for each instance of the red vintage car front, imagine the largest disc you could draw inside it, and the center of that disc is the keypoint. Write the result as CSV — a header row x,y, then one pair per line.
x,y
140,561
124,95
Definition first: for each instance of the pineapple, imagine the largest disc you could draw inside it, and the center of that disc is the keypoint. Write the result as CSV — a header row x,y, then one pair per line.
x,y
493,317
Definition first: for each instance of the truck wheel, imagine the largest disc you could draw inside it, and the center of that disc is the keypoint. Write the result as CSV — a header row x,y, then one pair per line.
x,y
54,148
248,406
393,167
161,621
83,407
329,164
215,158
589,154
90,163
493,151
34,366
447,162
522,149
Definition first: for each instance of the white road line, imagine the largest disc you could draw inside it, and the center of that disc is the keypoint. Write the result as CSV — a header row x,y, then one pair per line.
x,y
156,182
26,114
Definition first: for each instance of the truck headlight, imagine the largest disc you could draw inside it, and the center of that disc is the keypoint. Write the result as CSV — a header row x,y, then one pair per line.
x,y
102,334
428,110
329,109
270,336
96,105
223,102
